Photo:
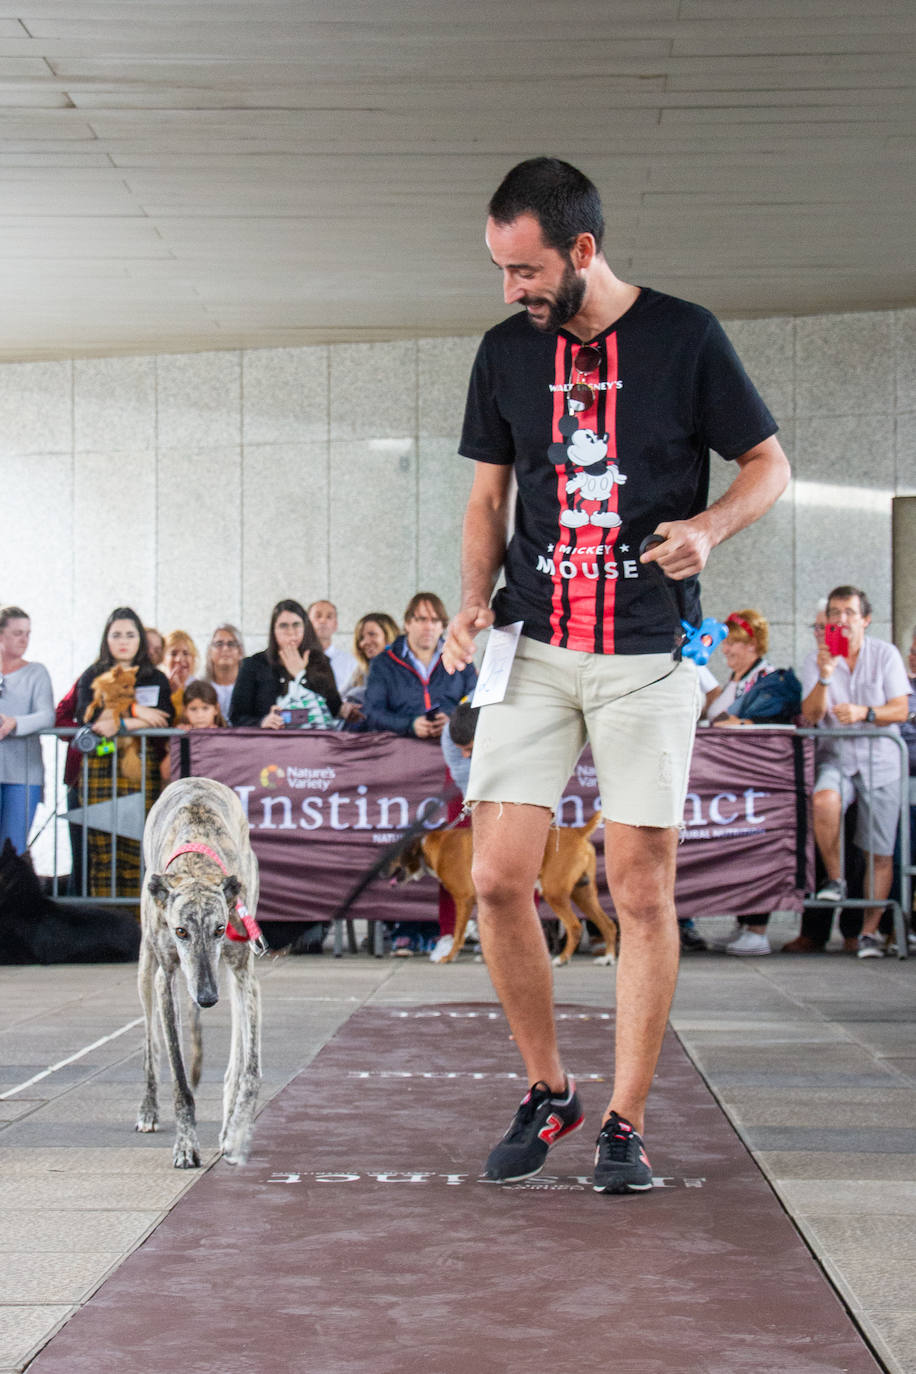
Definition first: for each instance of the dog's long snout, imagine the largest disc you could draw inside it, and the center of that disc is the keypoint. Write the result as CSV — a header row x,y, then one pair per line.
x,y
206,986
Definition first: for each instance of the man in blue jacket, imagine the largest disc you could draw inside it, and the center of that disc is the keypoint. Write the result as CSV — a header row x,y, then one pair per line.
x,y
408,691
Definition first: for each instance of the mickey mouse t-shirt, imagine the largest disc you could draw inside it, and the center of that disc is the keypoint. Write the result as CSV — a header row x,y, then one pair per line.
x,y
667,388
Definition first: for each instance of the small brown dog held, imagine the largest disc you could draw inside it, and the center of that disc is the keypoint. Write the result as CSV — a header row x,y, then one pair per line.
x,y
114,691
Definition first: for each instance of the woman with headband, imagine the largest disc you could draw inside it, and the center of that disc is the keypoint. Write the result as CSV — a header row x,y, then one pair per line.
x,y
744,651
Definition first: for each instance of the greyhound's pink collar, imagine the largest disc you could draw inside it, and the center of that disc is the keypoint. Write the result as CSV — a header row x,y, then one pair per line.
x,y
252,929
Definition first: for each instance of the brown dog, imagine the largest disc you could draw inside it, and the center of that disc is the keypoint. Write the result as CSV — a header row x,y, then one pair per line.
x,y
567,871
114,691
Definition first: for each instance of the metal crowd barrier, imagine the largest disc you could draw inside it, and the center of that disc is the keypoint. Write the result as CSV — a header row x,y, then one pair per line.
x,y
121,817
125,816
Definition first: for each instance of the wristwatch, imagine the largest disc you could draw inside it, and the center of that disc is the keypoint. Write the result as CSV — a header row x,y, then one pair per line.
x,y
870,716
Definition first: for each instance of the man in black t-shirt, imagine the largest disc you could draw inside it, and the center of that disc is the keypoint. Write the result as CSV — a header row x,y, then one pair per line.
x,y
603,400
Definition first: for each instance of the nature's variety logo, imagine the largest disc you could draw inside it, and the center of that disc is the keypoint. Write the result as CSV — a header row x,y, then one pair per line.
x,y
586,775
271,775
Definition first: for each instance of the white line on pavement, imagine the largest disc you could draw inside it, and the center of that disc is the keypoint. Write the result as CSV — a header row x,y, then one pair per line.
x,y
11,1092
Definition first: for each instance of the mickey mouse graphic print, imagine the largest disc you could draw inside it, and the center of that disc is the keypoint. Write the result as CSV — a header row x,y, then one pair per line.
x,y
607,439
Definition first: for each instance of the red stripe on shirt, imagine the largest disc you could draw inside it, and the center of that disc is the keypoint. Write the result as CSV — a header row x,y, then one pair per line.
x,y
576,599
610,420
559,410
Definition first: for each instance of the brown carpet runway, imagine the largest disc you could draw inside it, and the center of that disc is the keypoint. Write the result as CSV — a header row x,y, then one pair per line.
x,y
359,1239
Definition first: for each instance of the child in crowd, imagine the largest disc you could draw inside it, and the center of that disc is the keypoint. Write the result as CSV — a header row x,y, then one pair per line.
x,y
200,712
201,708
457,742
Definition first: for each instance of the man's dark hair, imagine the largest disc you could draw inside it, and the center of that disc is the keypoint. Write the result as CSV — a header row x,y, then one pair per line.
x,y
561,198
463,722
844,593
434,603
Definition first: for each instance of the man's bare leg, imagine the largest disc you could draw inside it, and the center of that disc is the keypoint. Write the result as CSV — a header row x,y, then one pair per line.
x,y
883,879
828,818
509,842
640,868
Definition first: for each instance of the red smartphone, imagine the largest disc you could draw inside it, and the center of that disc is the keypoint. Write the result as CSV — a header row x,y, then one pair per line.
x,y
836,640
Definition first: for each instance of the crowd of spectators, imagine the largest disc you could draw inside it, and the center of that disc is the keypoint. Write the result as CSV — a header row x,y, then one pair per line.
x,y
393,679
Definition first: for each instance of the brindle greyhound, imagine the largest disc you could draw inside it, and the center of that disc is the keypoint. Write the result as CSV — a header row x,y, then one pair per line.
x,y
201,885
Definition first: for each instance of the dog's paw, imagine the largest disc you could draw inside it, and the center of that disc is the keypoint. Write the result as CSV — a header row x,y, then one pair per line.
x,y
147,1121
186,1154
559,960
605,960
235,1145
238,1156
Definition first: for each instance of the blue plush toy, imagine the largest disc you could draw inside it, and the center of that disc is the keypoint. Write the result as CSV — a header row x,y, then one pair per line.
x,y
701,640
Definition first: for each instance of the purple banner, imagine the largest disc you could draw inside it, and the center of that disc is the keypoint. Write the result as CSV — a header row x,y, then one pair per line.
x,y
748,842
320,806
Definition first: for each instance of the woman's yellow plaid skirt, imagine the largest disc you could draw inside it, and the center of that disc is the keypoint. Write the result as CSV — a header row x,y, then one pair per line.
x,y
105,850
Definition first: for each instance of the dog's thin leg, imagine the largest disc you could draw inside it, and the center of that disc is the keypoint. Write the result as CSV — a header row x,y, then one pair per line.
x,y
197,1046
237,1048
559,903
463,908
245,1063
586,899
585,896
148,1114
186,1153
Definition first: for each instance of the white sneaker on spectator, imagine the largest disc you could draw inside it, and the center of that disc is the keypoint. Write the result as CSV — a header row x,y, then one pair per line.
x,y
442,947
870,948
834,890
749,943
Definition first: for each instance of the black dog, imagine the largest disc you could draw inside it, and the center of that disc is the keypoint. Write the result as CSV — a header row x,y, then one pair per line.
x,y
36,930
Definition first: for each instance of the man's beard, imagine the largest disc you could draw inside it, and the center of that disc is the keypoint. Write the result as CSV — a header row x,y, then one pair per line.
x,y
568,302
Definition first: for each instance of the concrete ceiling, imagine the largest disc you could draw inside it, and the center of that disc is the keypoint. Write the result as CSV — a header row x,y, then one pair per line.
x,y
253,173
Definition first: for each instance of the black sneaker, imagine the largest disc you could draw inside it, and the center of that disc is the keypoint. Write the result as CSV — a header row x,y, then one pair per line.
x,y
542,1119
621,1162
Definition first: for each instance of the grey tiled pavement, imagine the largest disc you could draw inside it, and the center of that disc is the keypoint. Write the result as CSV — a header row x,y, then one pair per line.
x,y
813,1058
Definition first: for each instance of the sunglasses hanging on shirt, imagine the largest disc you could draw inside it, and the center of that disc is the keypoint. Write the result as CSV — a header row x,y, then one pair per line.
x,y
580,395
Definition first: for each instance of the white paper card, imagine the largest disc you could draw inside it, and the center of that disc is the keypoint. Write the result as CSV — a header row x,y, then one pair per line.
x,y
147,696
497,664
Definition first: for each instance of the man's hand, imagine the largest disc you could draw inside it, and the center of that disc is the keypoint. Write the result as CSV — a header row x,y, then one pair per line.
x,y
684,552
459,637
849,712
350,710
826,663
430,729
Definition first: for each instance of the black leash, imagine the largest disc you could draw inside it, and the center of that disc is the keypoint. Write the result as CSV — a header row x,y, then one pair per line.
x,y
393,851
